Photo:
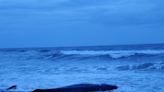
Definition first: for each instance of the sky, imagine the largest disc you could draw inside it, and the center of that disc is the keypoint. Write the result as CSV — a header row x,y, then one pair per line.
x,y
53,23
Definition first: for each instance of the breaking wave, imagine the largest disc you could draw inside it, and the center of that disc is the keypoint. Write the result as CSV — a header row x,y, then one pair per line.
x,y
115,54
143,66
82,54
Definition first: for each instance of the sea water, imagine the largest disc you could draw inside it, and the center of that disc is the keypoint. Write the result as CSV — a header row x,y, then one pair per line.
x,y
133,68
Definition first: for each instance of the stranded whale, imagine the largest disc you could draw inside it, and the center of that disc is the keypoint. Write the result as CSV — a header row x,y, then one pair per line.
x,y
80,88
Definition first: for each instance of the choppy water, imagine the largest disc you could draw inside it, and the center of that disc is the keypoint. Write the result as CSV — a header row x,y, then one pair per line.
x,y
132,67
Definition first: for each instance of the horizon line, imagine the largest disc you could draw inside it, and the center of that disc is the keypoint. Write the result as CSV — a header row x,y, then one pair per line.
x,y
35,47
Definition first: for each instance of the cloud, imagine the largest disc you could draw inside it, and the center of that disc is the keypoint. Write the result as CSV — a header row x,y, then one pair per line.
x,y
80,22
104,12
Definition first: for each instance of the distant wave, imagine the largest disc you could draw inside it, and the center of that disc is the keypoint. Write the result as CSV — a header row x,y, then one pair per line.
x,y
81,54
115,54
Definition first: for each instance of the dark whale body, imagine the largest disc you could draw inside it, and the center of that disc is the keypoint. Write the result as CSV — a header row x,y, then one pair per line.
x,y
80,88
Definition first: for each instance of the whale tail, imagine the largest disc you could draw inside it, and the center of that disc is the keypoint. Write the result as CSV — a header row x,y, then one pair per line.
x,y
12,87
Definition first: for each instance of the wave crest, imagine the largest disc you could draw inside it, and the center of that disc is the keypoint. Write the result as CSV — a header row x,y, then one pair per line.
x,y
115,54
82,54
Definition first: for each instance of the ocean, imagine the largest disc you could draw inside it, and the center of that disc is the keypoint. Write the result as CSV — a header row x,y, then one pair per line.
x,y
133,68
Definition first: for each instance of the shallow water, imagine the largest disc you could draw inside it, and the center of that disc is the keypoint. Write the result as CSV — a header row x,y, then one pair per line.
x,y
28,75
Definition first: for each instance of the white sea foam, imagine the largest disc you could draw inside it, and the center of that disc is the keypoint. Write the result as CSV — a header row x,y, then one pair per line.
x,y
35,54
114,54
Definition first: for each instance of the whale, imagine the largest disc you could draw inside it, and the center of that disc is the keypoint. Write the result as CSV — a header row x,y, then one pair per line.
x,y
80,88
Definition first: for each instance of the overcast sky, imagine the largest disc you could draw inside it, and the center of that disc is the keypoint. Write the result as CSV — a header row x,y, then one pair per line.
x,y
50,23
